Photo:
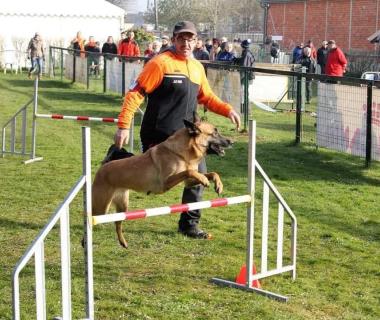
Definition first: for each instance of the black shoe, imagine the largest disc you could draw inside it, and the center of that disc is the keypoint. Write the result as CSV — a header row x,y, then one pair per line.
x,y
195,233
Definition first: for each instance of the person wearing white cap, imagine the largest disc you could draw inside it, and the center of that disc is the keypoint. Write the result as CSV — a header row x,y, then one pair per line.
x,y
174,83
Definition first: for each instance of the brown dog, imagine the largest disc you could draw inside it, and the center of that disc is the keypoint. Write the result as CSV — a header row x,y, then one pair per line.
x,y
158,169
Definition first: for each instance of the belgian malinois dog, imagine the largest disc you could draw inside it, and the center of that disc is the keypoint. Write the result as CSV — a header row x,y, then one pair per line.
x,y
159,169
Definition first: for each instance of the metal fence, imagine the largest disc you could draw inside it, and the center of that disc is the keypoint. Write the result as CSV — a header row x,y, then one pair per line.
x,y
329,112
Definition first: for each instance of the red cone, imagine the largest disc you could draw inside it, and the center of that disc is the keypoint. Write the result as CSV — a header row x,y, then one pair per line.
x,y
242,277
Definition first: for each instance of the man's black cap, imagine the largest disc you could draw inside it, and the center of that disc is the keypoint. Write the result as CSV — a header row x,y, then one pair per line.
x,y
185,26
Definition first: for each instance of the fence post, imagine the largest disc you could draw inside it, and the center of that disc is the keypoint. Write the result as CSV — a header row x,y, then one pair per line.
x,y
299,109
368,140
74,66
246,99
123,77
105,74
50,61
61,64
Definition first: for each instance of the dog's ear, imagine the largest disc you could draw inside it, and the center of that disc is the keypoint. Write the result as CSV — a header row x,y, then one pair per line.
x,y
191,127
197,118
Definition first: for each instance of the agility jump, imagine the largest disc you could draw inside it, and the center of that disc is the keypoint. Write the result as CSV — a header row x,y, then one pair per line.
x,y
62,213
32,154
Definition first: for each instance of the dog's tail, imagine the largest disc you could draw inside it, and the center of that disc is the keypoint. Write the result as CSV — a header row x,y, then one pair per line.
x,y
115,153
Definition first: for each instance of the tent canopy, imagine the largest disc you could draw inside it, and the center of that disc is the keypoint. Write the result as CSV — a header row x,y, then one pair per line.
x,y
73,8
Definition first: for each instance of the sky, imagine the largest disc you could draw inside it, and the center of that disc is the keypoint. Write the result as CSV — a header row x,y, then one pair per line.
x,y
139,5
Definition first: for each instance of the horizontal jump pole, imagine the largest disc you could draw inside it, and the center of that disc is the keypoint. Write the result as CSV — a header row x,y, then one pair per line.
x,y
183,207
77,118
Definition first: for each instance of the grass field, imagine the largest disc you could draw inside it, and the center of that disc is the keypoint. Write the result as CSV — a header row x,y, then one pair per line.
x,y
164,275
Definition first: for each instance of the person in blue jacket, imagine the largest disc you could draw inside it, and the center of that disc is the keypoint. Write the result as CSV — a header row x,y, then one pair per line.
x,y
228,53
298,53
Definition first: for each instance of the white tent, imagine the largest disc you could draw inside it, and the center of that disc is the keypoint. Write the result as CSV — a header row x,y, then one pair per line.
x,y
56,21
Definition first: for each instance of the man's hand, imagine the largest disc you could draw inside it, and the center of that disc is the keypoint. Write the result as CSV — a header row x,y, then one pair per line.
x,y
121,137
235,118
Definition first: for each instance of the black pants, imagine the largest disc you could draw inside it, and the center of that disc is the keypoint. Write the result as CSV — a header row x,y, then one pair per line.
x,y
190,219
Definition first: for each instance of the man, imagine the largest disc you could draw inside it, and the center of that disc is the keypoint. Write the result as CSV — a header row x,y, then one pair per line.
x,y
336,62
199,52
309,63
174,83
164,43
129,47
36,54
322,56
247,59
109,47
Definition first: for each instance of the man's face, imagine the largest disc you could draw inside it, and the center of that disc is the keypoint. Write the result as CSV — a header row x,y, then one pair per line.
x,y
331,46
131,35
184,43
165,41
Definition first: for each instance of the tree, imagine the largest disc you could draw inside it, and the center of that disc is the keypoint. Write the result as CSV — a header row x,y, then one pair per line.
x,y
218,15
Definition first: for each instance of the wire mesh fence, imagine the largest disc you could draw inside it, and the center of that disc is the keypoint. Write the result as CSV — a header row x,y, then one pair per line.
x,y
329,112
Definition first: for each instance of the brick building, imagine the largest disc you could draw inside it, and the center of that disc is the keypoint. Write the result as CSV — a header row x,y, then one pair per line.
x,y
348,22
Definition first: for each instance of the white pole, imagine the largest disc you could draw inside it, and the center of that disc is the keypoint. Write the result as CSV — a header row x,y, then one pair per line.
x,y
251,207
89,280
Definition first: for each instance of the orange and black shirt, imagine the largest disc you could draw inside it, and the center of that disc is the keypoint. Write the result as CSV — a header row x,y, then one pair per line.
x,y
174,86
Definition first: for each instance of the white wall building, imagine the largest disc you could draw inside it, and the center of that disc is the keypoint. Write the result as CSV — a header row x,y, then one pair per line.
x,y
56,21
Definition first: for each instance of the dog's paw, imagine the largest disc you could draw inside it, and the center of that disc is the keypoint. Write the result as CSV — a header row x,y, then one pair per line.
x,y
218,187
204,181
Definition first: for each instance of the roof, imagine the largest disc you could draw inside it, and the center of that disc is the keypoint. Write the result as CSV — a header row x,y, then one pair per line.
x,y
374,38
281,1
78,8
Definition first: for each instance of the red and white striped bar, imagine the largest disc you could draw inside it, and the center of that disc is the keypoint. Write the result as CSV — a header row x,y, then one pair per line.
x,y
77,118
145,213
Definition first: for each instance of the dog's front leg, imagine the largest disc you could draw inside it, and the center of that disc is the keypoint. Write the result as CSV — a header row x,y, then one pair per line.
x,y
218,185
194,176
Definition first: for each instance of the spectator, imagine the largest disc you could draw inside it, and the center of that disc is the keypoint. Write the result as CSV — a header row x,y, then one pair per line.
x,y
310,64
223,43
208,45
165,43
297,53
247,59
274,52
36,55
78,45
322,56
174,82
215,50
336,62
228,54
129,47
310,44
200,53
237,47
154,49
149,51
109,47
93,55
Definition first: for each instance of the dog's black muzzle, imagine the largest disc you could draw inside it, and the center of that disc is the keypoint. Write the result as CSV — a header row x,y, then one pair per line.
x,y
217,146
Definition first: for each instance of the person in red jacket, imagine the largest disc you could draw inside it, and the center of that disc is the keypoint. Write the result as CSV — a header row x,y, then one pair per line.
x,y
129,47
336,60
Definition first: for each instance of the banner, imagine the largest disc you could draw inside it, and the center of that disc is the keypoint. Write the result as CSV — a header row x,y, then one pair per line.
x,y
68,58
342,118
113,75
81,70
226,85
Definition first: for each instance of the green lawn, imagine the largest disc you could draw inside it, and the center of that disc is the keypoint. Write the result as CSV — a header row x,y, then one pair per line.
x,y
163,275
